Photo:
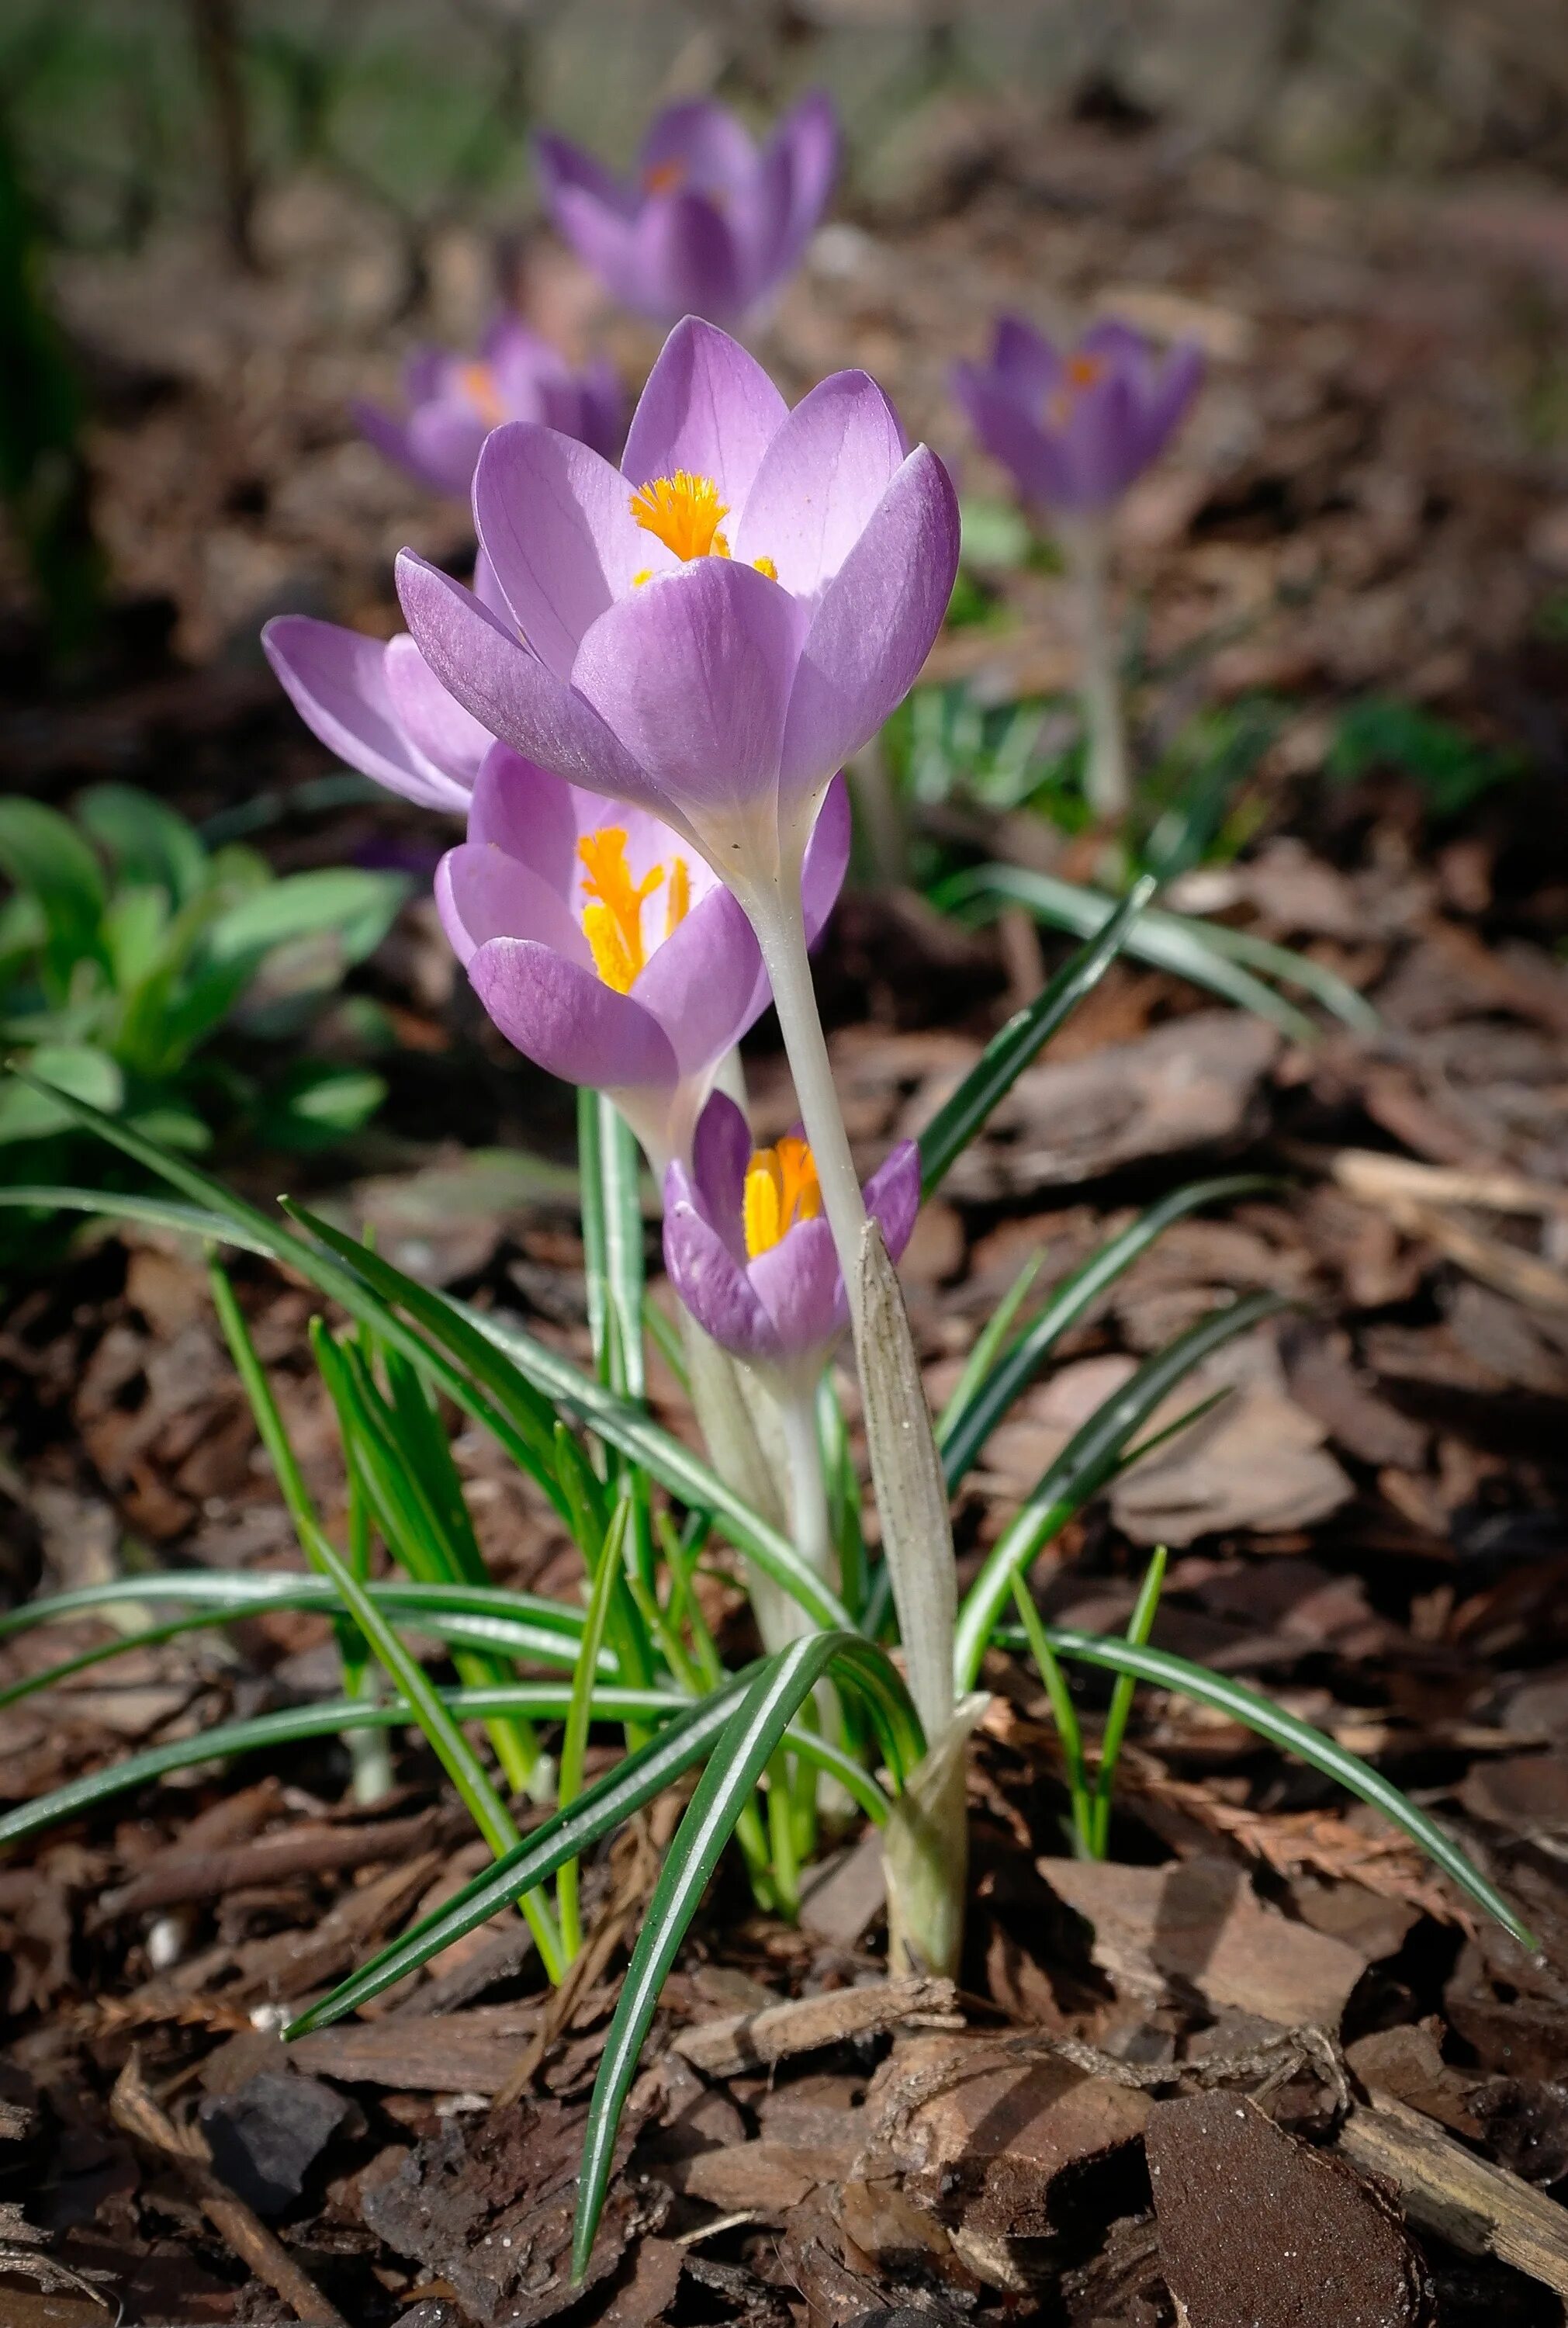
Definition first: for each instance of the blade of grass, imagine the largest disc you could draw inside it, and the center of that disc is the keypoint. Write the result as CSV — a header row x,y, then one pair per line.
x,y
1139,1624
1010,1052
548,1630
149,1212
987,1342
1082,1469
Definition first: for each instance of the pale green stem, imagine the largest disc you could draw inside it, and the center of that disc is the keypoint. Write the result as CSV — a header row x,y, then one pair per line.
x,y
1107,783
926,1870
809,1527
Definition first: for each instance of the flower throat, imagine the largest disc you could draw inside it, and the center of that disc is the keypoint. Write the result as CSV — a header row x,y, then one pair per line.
x,y
613,910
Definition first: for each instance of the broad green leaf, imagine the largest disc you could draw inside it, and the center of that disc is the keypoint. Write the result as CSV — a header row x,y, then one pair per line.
x,y
30,1110
146,841
962,1437
1083,1468
345,902
1010,1051
43,853
1249,1706
318,1102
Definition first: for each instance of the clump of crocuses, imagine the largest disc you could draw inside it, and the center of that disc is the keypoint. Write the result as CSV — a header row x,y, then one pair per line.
x,y
453,401
709,224
1075,426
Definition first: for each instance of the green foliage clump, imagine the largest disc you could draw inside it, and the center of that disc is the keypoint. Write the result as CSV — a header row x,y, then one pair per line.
x,y
1451,769
161,982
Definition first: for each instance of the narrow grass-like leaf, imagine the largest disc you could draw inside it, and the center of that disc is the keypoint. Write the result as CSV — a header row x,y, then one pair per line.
x,y
1064,1713
1249,1706
987,1343
1139,1626
149,1212
580,1714
1168,941
528,1626
1084,1466
263,1405
619,1424
963,1436
751,1737
298,1724
521,1422
1010,1052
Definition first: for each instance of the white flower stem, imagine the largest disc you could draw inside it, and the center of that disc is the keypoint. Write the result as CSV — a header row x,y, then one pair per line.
x,y
926,1875
1087,544
810,1529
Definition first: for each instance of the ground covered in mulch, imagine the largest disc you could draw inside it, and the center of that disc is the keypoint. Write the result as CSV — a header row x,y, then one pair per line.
x,y
1265,2012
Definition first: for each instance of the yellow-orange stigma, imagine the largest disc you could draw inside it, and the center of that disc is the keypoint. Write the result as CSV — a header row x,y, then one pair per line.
x,y
478,383
612,913
682,511
782,1187
663,177
1078,373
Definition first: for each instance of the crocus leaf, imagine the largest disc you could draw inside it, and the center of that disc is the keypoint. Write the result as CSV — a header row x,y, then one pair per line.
x,y
296,1725
1084,1465
966,1433
751,1737
1260,1714
1010,1052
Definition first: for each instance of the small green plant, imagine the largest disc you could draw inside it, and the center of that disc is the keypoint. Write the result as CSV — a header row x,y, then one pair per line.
x,y
829,1700
127,948
1449,768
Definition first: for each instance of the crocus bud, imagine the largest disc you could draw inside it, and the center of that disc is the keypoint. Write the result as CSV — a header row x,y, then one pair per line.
x,y
749,1250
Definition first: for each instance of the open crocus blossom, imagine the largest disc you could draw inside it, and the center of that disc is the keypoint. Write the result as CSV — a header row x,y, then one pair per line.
x,y
1076,429
453,402
708,224
378,705
604,949
750,1253
709,631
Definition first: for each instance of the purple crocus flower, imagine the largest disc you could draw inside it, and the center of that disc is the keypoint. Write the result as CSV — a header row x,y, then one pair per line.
x,y
607,951
1076,429
454,402
712,629
749,1250
708,225
379,706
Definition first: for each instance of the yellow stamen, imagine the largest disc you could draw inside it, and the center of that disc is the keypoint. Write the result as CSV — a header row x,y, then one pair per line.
x,y
1079,372
478,383
663,177
682,511
612,916
782,1187
765,565
679,903
644,574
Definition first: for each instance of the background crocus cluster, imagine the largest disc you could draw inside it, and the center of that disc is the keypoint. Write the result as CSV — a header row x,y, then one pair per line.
x,y
708,223
451,402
